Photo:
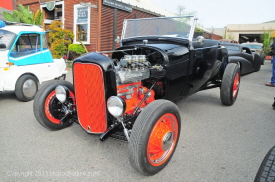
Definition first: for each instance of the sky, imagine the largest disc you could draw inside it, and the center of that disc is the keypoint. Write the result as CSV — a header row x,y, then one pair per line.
x,y
219,13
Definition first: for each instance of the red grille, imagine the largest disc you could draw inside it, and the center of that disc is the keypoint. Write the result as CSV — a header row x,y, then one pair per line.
x,y
90,97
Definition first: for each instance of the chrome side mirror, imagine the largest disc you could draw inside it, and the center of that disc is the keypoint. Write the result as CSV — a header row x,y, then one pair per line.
x,y
200,40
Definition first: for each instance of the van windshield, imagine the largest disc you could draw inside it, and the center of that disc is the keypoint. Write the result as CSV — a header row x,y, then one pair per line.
x,y
6,39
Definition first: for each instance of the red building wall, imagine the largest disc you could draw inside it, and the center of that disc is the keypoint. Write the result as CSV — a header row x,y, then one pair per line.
x,y
7,4
33,4
108,23
212,36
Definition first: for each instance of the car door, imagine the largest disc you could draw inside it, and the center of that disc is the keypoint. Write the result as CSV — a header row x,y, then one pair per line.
x,y
248,65
202,60
27,53
247,54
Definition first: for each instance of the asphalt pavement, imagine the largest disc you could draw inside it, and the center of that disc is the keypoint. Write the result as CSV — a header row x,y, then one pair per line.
x,y
217,143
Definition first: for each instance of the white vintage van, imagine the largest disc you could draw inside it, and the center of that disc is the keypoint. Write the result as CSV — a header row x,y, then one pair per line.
x,y
25,60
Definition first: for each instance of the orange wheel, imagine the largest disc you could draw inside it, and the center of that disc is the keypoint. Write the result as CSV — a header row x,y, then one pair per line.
x,y
48,110
162,139
230,84
236,85
154,137
53,108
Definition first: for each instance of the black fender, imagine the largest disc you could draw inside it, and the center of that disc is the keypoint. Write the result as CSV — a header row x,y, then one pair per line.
x,y
245,65
256,57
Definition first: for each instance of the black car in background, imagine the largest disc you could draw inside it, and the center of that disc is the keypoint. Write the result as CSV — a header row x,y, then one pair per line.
x,y
247,60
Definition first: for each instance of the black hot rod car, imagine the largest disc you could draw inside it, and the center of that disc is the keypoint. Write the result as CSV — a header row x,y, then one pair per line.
x,y
130,95
241,54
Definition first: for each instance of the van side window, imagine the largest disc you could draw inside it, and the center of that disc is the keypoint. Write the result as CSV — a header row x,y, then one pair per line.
x,y
26,44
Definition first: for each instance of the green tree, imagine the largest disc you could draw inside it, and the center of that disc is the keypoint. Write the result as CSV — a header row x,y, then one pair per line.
x,y
24,15
266,39
183,23
230,36
181,11
60,39
75,50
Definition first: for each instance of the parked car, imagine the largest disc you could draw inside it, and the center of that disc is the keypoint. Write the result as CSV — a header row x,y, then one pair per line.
x,y
227,40
247,60
258,48
26,60
131,95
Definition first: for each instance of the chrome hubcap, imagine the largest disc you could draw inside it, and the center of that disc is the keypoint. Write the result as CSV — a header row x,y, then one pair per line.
x,y
167,141
29,88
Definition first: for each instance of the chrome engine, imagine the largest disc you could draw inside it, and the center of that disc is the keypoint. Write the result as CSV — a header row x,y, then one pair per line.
x,y
132,68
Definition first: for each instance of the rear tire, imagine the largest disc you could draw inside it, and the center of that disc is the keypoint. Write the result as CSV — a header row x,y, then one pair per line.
x,y
154,137
266,172
230,84
258,64
26,87
263,59
47,108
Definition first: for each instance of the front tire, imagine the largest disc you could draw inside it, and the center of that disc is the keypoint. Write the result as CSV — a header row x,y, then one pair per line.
x,y
48,109
26,87
230,84
266,172
154,137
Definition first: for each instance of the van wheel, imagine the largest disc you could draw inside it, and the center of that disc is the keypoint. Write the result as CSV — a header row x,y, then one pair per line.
x,y
154,137
26,88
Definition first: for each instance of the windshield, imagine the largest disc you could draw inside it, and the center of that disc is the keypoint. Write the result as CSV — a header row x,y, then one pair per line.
x,y
225,41
232,48
6,38
254,46
182,27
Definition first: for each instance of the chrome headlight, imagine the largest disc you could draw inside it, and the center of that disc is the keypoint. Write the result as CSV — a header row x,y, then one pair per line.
x,y
116,106
62,93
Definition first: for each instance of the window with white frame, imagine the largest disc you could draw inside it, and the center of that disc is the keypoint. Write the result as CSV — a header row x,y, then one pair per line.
x,y
82,17
53,11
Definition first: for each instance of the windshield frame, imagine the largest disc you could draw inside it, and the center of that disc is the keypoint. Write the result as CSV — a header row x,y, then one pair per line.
x,y
193,21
